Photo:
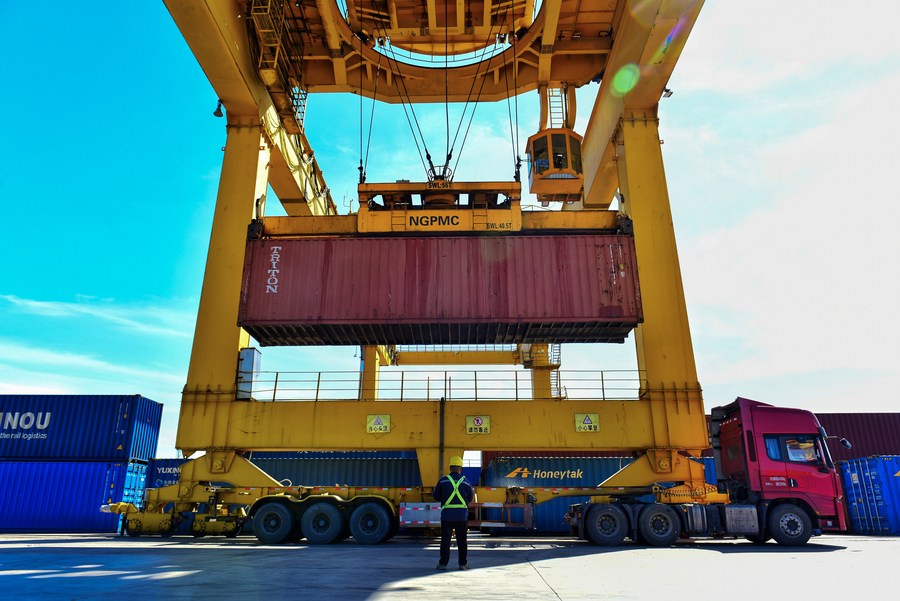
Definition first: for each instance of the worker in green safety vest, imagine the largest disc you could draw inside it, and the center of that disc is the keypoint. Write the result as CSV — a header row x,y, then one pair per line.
x,y
454,494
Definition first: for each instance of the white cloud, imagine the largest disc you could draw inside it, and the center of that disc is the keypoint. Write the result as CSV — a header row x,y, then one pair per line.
x,y
805,283
13,353
142,319
745,48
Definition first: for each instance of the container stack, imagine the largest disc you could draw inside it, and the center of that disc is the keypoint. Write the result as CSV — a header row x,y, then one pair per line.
x,y
63,456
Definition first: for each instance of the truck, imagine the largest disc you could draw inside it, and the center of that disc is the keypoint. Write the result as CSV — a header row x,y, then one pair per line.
x,y
775,480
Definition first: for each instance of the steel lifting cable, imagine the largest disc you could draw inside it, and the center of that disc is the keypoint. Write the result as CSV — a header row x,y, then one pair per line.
x,y
469,95
402,89
372,114
517,160
447,88
480,90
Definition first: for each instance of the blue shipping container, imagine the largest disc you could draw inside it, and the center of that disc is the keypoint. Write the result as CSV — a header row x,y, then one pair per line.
x,y
51,496
540,472
358,471
872,490
163,472
84,427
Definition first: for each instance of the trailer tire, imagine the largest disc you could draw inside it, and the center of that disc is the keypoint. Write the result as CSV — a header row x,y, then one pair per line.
x,y
606,525
370,523
789,525
659,525
273,523
322,524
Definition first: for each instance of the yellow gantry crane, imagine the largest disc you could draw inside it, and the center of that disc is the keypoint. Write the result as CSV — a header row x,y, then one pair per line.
x,y
263,57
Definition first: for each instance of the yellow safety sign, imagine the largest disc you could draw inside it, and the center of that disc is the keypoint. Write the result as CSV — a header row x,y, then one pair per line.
x,y
378,424
478,424
587,422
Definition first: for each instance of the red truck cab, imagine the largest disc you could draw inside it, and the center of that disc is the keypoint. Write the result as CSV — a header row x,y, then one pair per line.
x,y
772,456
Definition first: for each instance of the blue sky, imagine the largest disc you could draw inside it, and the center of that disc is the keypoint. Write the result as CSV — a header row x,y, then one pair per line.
x,y
779,153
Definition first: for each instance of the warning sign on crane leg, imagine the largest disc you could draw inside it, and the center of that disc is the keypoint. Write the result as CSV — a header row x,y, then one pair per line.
x,y
587,422
378,424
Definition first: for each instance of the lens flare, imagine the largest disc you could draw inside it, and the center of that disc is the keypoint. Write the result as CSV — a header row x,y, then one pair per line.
x,y
644,11
625,79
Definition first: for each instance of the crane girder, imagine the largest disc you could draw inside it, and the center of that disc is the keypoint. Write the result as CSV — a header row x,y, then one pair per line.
x,y
217,35
651,37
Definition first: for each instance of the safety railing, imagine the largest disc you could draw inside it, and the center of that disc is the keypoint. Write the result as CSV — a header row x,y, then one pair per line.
x,y
453,385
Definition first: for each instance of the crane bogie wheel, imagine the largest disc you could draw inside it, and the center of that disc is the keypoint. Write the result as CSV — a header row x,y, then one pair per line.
x,y
371,523
659,525
789,525
133,527
273,523
322,523
606,525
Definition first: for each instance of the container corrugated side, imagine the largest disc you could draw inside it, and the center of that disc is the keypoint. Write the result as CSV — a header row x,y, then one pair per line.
x,y
870,433
441,289
872,492
83,427
342,471
51,496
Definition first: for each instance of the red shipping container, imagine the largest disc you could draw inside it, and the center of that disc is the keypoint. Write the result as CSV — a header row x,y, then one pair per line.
x,y
440,290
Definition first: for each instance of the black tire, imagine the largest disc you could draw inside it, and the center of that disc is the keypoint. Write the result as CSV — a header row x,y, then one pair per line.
x,y
371,523
659,525
273,523
133,528
606,525
789,525
322,523
758,539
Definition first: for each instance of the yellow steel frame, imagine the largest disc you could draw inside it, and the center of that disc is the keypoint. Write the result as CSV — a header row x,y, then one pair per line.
x,y
621,151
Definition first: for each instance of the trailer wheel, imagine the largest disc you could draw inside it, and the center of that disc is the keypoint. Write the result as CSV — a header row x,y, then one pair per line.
x,y
370,523
789,525
606,525
659,525
322,524
273,523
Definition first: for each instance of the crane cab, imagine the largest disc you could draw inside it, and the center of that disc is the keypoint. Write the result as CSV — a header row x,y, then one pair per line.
x,y
555,172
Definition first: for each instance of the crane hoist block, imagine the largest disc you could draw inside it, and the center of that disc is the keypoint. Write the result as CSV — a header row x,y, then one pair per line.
x,y
461,289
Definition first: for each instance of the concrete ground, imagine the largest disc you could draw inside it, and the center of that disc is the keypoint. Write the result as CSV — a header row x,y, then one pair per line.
x,y
111,567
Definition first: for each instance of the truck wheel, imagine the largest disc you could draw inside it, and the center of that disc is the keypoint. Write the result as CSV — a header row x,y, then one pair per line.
x,y
322,524
659,525
789,525
370,523
757,539
606,525
273,523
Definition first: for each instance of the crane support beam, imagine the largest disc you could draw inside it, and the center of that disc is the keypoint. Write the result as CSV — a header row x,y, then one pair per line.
x,y
551,10
342,425
217,338
663,341
649,43
457,358
217,35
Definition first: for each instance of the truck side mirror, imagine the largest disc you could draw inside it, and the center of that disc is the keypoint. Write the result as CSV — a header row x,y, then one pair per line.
x,y
846,443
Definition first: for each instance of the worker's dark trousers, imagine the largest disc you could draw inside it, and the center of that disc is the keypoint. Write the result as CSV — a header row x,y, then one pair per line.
x,y
447,530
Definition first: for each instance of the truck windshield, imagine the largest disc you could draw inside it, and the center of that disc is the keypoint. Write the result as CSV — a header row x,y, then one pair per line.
x,y
795,448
